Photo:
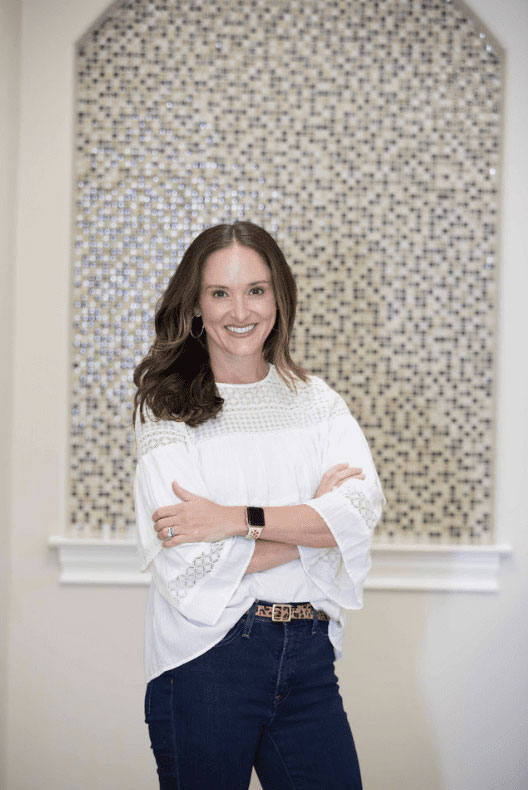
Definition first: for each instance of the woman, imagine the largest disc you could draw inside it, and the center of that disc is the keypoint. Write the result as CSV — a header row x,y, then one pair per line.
x,y
256,497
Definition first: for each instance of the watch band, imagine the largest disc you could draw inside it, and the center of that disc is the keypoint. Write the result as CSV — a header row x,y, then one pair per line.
x,y
254,521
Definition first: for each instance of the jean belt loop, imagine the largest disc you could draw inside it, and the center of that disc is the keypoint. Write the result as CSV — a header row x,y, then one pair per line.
x,y
315,621
249,621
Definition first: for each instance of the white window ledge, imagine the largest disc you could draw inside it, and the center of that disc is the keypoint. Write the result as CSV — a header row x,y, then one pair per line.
x,y
456,568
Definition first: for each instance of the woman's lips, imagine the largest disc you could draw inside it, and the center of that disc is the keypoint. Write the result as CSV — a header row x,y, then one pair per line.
x,y
242,334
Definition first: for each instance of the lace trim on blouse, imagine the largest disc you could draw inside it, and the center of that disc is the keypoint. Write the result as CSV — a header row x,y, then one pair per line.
x,y
203,564
364,505
152,434
269,406
360,502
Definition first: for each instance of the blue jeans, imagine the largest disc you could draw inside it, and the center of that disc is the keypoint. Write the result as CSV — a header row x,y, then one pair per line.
x,y
266,696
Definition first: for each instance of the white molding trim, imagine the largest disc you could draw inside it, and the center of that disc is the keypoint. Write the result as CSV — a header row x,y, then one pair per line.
x,y
462,568
450,568
98,561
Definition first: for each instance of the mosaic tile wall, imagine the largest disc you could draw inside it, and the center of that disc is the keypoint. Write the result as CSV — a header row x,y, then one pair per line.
x,y
365,137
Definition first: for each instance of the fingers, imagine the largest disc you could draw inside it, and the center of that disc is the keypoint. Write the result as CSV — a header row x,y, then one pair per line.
x,y
342,471
167,542
340,477
356,472
171,542
335,468
165,512
163,533
162,524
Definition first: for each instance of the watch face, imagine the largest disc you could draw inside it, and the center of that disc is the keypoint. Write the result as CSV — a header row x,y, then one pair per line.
x,y
255,516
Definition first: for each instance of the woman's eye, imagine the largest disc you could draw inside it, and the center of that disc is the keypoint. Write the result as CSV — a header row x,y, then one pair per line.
x,y
256,288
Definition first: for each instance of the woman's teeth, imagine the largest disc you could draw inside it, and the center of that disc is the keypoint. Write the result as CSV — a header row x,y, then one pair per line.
x,y
241,331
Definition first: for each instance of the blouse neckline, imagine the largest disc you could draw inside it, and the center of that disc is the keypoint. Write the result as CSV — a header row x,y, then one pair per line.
x,y
222,384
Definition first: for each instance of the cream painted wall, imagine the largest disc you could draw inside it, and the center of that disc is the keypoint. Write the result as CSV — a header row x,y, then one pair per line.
x,y
9,105
75,655
435,684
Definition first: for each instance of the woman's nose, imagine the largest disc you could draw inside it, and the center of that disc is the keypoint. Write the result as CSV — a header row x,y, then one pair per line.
x,y
240,309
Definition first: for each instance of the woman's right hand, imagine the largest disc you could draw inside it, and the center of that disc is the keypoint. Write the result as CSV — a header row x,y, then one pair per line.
x,y
337,475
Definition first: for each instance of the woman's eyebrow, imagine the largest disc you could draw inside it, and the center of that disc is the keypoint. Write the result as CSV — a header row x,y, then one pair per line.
x,y
226,286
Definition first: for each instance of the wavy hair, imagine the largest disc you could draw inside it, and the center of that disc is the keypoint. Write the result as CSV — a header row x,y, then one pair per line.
x,y
175,379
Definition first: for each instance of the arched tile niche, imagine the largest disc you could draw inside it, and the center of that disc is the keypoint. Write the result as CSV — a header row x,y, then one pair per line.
x,y
365,136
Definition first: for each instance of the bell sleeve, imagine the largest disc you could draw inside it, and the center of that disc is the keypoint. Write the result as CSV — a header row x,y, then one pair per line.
x,y
198,579
351,512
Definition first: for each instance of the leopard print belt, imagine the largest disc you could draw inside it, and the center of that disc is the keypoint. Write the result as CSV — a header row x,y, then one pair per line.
x,y
284,612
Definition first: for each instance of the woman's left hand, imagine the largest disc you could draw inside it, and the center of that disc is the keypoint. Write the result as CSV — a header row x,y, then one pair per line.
x,y
193,520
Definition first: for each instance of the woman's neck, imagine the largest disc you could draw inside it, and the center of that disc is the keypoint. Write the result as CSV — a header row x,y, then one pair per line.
x,y
243,374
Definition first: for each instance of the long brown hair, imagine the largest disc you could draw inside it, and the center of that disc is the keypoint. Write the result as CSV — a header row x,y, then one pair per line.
x,y
175,380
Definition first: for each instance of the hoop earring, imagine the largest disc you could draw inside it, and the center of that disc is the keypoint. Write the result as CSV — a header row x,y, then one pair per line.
x,y
191,332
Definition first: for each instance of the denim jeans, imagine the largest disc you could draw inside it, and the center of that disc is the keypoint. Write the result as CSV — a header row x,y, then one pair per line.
x,y
265,696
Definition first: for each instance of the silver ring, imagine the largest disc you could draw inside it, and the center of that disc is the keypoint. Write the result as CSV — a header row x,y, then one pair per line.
x,y
170,533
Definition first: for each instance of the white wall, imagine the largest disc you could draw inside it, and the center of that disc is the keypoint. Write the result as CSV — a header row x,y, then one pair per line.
x,y
9,105
435,684
75,656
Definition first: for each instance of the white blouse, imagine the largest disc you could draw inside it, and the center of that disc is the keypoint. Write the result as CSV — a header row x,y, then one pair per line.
x,y
268,446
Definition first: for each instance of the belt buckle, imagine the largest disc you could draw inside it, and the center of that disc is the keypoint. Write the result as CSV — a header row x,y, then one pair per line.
x,y
280,606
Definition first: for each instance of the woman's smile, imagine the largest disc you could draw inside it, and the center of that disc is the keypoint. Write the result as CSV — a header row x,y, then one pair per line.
x,y
241,330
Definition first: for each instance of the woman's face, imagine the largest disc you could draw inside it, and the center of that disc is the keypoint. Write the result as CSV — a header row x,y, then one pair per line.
x,y
236,293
